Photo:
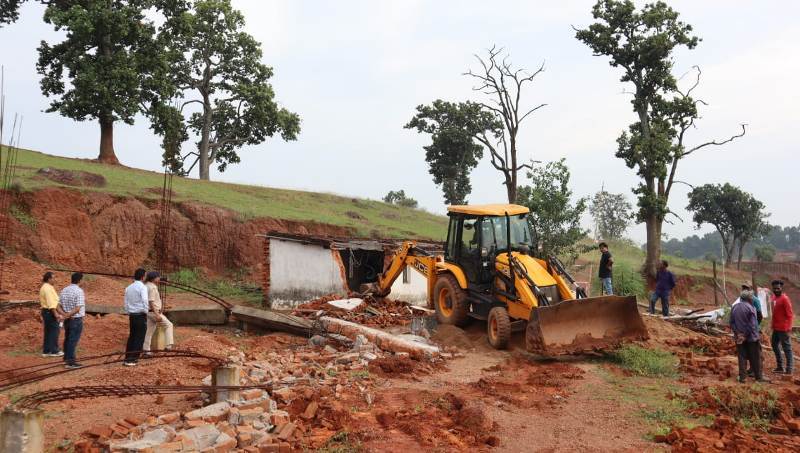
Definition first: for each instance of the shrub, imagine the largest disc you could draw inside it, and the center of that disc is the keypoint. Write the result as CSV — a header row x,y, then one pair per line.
x,y
646,362
625,280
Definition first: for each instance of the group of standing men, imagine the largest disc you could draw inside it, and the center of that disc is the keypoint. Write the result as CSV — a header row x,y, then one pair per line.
x,y
746,316
68,309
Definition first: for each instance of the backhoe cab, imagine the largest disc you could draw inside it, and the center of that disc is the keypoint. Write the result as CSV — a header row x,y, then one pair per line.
x,y
488,273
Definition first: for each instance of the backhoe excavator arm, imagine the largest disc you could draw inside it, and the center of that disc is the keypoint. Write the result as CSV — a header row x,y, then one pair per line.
x,y
408,255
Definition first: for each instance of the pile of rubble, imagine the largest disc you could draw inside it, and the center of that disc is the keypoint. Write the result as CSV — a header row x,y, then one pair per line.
x,y
369,311
301,409
727,433
705,356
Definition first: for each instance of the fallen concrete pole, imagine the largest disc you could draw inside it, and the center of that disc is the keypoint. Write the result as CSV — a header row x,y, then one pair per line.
x,y
381,339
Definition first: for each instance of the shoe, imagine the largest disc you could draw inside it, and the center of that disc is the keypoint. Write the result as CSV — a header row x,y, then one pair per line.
x,y
129,363
764,381
778,370
741,380
73,366
147,354
751,373
58,354
47,354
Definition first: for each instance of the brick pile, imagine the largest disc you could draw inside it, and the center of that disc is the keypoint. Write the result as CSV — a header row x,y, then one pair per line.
x,y
301,409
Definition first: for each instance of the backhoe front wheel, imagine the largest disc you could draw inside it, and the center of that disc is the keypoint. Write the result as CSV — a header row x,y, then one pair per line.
x,y
450,301
498,328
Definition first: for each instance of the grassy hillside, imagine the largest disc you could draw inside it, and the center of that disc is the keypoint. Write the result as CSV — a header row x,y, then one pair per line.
x,y
368,217
632,257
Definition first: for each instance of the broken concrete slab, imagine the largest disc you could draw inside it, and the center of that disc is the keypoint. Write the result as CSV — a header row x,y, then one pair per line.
x,y
347,304
197,315
201,437
214,412
272,320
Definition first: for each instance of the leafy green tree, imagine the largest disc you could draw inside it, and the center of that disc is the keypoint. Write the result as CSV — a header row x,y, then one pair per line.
x,y
765,253
554,217
736,215
612,213
109,59
9,10
216,69
453,153
399,198
642,44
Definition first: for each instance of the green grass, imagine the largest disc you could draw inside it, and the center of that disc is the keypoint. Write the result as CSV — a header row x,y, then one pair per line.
x,y
227,288
754,407
365,217
22,216
646,362
659,402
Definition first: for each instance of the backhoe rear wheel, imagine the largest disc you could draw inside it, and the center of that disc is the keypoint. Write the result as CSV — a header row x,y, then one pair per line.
x,y
498,328
450,301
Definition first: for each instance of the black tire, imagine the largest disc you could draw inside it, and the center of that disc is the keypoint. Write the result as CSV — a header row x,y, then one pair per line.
x,y
498,328
450,301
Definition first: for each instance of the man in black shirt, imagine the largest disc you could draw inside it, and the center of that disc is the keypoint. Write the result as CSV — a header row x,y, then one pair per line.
x,y
606,262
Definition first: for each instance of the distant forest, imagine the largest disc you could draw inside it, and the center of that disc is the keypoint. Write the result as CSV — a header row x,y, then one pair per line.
x,y
782,239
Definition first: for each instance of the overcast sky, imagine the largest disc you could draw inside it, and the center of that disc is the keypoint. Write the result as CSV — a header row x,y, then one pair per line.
x,y
355,71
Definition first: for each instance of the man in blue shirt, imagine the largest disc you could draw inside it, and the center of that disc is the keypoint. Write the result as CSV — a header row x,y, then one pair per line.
x,y
744,325
136,306
665,281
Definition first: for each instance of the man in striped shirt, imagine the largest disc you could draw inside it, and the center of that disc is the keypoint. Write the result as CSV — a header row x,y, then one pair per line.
x,y
72,307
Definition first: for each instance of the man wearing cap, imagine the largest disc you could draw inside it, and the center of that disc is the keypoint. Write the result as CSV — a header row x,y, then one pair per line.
x,y
782,319
155,316
744,325
756,302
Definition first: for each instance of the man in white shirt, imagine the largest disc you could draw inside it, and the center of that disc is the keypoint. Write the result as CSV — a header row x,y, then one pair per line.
x,y
136,307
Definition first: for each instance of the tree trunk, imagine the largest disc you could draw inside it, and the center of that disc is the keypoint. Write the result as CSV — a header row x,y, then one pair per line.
x,y
739,255
107,155
205,136
653,224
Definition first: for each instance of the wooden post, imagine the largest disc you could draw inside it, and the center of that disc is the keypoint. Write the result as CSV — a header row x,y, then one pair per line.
x,y
714,267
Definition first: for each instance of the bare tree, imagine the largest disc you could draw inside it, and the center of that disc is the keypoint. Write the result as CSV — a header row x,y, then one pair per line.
x,y
503,85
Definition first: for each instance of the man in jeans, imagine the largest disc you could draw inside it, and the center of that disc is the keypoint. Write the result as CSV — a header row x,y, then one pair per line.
x,y
665,281
604,272
136,306
48,299
72,307
744,325
782,319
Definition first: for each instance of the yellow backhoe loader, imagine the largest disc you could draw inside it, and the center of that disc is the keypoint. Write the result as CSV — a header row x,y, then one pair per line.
x,y
487,272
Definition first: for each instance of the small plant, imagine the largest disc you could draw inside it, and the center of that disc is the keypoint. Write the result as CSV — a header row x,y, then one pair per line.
x,y
342,442
22,216
646,362
359,374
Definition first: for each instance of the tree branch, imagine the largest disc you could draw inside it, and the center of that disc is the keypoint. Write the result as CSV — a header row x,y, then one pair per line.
x,y
716,143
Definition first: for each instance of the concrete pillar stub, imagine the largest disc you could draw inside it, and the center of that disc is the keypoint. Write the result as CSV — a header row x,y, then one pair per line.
x,y
21,431
225,375
159,341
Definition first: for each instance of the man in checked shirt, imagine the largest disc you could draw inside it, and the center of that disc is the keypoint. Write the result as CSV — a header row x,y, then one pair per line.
x,y
72,307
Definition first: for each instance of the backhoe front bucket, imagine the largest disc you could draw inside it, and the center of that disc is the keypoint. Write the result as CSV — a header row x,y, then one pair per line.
x,y
584,325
